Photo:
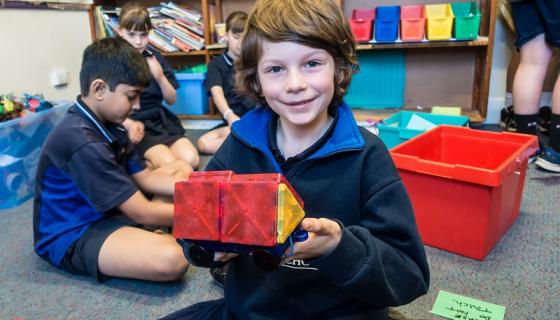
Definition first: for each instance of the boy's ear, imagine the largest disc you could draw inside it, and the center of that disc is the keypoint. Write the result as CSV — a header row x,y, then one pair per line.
x,y
98,88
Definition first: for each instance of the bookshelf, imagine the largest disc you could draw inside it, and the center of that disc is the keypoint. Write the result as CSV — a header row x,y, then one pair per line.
x,y
178,59
448,73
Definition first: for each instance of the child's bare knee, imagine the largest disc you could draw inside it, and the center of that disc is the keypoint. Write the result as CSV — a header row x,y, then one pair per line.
x,y
171,263
193,160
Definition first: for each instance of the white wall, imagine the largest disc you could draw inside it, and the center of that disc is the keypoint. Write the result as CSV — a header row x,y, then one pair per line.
x,y
34,43
504,41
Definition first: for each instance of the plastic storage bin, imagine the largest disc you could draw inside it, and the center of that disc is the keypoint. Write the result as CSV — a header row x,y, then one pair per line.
x,y
192,98
465,185
400,127
413,21
467,20
20,145
386,23
361,24
439,21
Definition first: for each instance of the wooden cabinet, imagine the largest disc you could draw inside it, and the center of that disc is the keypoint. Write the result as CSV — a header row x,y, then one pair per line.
x,y
443,73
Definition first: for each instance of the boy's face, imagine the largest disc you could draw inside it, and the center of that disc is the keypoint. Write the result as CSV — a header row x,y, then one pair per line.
x,y
138,39
116,106
297,82
234,43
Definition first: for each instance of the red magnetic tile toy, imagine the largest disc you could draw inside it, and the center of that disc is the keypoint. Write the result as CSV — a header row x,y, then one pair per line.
x,y
219,211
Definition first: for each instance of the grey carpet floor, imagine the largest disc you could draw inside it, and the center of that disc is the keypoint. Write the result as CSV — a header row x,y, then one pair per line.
x,y
521,273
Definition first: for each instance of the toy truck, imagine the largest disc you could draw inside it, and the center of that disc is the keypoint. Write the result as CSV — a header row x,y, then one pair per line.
x,y
219,211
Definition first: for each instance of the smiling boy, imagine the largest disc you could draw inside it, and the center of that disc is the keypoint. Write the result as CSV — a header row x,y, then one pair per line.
x,y
363,253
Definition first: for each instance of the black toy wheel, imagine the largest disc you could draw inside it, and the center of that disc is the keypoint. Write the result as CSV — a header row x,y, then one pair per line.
x,y
265,260
200,256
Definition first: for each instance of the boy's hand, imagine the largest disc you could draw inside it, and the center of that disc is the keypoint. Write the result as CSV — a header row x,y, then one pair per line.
x,y
135,130
155,68
324,236
224,256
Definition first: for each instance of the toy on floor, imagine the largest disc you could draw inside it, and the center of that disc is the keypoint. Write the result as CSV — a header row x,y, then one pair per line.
x,y
219,211
36,103
10,108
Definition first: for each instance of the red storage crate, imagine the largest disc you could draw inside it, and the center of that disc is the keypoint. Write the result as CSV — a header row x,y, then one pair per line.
x,y
413,21
361,24
465,185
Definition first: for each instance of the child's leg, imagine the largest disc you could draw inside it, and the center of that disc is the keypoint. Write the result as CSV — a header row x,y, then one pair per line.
x,y
528,82
161,155
212,140
185,150
131,252
554,130
178,169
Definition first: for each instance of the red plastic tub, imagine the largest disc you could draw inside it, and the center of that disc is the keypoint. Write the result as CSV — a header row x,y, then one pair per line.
x,y
465,185
361,24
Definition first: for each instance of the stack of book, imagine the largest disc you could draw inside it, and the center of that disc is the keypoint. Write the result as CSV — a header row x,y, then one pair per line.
x,y
175,28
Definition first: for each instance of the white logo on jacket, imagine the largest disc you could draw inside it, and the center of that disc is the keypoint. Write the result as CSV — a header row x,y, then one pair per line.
x,y
298,264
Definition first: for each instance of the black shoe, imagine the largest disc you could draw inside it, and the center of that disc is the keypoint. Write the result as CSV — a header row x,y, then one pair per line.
x,y
219,275
507,122
545,114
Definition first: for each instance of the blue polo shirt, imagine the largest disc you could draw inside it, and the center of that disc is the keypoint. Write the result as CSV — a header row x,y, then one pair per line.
x,y
84,174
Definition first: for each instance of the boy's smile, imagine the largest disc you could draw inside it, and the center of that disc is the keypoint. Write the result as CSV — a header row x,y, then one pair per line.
x,y
297,82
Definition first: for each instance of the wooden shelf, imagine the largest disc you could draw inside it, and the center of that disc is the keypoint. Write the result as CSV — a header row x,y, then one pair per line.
x,y
181,53
480,42
207,116
360,114
378,114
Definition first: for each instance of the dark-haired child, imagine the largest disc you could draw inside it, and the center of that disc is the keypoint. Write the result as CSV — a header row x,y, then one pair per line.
x,y
88,207
157,132
220,82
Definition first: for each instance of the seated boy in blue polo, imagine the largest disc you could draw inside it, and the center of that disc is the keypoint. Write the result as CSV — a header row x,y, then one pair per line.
x,y
88,207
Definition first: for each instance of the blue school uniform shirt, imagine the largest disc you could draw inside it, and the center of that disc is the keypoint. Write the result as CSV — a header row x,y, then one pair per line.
x,y
82,177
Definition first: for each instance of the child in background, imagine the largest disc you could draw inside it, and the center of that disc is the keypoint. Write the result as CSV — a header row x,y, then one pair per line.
x,y
538,29
220,83
88,208
157,132
364,253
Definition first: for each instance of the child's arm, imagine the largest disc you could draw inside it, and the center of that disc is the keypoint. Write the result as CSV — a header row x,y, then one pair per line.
x,y
162,180
144,211
168,91
222,104
135,130
383,252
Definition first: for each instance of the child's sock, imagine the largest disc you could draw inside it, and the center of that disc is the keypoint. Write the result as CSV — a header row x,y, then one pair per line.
x,y
554,141
526,123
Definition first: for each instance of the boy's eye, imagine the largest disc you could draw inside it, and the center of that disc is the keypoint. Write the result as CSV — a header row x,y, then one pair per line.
x,y
274,69
312,64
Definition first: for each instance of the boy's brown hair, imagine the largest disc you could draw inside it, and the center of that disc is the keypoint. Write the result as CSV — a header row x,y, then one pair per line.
x,y
134,16
314,23
236,21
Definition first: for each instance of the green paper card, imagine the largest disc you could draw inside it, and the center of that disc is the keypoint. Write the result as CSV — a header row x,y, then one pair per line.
x,y
448,111
454,306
